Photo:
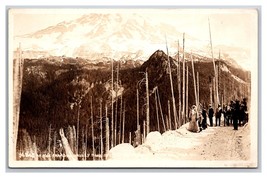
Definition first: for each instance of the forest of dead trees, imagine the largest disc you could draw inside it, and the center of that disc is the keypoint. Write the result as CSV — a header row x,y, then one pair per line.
x,y
97,110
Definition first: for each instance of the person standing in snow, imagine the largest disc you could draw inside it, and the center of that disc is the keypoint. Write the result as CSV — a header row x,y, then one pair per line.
x,y
228,116
236,115
211,113
244,110
218,116
232,108
193,125
204,120
224,109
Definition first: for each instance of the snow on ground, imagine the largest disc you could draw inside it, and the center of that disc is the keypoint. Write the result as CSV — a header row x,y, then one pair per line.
x,y
222,144
156,144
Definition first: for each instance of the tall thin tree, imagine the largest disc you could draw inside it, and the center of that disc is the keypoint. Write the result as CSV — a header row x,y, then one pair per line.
x,y
78,129
54,146
49,139
120,118
17,89
179,82
137,108
107,130
92,127
172,92
210,85
101,130
116,106
186,95
169,115
183,90
86,137
197,88
123,123
194,79
157,113
112,106
215,71
147,105
160,108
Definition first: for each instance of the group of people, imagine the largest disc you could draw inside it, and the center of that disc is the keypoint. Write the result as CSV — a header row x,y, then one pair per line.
x,y
235,114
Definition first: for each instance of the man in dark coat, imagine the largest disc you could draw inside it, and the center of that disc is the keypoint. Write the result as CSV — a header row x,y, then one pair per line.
x,y
244,110
228,115
236,114
232,108
211,113
218,116
204,121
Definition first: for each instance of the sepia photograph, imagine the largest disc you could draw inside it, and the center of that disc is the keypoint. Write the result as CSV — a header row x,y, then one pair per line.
x,y
133,87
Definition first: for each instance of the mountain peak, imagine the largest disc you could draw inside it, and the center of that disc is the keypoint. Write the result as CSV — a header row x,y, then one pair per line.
x,y
157,60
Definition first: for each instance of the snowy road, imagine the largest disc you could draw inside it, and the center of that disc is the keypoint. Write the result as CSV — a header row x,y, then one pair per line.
x,y
216,143
213,147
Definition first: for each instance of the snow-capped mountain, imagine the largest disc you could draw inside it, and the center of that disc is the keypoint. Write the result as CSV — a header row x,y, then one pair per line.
x,y
117,36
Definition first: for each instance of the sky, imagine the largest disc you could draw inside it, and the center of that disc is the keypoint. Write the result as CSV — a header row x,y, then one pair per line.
x,y
237,27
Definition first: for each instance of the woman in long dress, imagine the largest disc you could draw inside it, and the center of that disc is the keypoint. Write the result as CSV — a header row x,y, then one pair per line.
x,y
193,125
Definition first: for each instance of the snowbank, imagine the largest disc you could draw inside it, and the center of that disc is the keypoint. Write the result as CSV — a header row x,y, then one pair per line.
x,y
154,141
123,151
158,146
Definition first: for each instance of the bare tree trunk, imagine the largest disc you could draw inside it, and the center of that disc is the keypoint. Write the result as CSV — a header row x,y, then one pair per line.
x,y
173,100
116,106
54,146
147,104
66,146
210,91
112,109
107,131
186,95
92,124
120,120
179,83
130,138
35,149
137,117
123,123
167,122
74,140
144,129
169,115
218,78
49,140
161,113
83,144
183,101
78,129
214,89
101,131
195,87
215,71
224,94
86,137
17,89
137,108
157,113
